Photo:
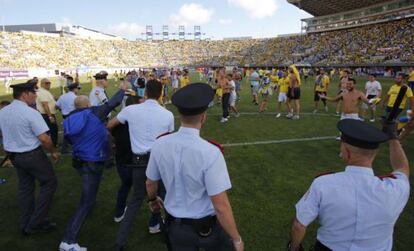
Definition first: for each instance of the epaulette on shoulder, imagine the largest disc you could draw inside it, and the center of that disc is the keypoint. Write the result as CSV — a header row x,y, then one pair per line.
x,y
162,135
323,174
391,176
218,145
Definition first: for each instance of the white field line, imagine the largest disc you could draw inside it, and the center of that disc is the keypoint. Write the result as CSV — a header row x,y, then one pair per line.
x,y
279,141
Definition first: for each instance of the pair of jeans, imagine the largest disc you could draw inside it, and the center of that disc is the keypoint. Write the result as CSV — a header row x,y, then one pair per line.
x,y
225,104
91,175
125,174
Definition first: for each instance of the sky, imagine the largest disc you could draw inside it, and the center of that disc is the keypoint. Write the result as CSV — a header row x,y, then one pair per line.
x,y
128,18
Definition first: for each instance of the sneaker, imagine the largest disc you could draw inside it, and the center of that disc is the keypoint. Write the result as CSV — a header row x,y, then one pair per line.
x,y
315,111
278,115
71,247
237,115
2,181
289,115
120,218
326,109
223,120
154,223
296,117
338,138
372,120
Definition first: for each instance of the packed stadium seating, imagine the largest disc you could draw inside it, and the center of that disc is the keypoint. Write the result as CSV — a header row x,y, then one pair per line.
x,y
379,43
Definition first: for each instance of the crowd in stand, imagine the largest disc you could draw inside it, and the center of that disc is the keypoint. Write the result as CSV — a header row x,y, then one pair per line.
x,y
379,43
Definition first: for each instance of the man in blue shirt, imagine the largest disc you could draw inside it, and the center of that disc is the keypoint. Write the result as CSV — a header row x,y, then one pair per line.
x,y
24,133
86,131
196,179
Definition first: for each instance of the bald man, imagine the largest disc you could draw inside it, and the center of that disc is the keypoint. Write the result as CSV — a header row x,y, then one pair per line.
x,y
86,131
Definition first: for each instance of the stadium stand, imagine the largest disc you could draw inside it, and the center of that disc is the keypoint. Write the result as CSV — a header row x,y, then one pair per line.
x,y
381,43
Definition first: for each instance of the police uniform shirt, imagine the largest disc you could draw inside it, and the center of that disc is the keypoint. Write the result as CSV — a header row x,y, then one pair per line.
x,y
146,122
357,210
66,102
191,169
20,126
98,96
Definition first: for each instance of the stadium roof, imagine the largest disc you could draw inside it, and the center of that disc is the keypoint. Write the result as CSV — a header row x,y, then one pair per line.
x,y
328,7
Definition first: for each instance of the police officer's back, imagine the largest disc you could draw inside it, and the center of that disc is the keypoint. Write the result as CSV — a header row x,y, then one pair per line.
x,y
195,176
356,209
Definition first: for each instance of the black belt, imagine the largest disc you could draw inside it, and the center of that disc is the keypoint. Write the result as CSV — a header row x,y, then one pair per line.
x,y
320,247
188,221
31,151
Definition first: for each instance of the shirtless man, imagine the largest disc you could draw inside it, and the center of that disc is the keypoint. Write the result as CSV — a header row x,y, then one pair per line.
x,y
342,88
293,94
350,100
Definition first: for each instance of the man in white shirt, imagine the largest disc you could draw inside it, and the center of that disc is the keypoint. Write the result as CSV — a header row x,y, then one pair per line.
x,y
372,90
46,105
146,121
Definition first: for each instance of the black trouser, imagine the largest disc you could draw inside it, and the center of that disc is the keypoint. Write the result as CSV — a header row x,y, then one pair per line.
x,y
53,128
32,166
320,247
183,237
65,144
138,182
225,104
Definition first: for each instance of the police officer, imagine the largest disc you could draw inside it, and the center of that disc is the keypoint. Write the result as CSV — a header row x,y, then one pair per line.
x,y
24,133
66,103
146,122
356,209
98,96
85,129
196,179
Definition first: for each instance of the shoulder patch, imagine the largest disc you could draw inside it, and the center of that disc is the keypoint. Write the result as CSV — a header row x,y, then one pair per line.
x,y
391,176
162,135
323,174
218,145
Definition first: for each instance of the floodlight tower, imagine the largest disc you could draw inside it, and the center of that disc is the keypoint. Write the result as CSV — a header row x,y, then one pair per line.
x,y
165,33
149,33
197,33
181,32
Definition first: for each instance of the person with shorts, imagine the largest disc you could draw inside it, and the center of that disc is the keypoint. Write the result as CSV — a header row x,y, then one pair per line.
x,y
266,90
233,95
342,88
373,90
283,90
321,88
294,93
254,84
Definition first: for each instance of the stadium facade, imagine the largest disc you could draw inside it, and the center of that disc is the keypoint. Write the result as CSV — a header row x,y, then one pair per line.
x,y
344,14
62,30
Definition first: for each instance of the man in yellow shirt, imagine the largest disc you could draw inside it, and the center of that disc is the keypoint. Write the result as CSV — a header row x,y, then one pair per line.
x,y
283,84
393,94
184,80
411,78
46,105
321,88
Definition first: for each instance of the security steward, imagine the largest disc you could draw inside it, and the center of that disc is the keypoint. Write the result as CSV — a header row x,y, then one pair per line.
x,y
85,130
98,96
356,209
146,122
24,133
196,179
